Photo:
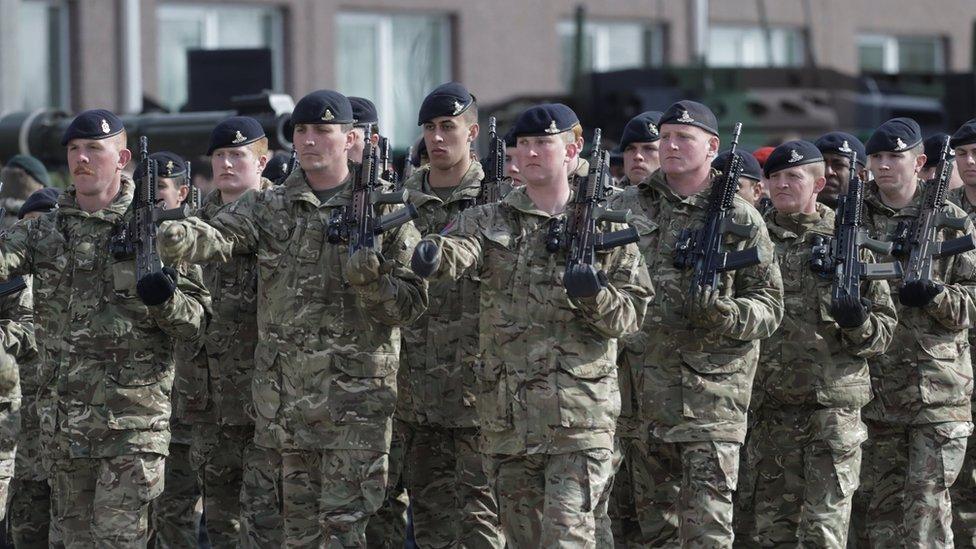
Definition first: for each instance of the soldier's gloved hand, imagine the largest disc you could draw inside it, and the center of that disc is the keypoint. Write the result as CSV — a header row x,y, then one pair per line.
x,y
172,242
584,281
849,312
919,293
426,258
156,288
363,267
708,309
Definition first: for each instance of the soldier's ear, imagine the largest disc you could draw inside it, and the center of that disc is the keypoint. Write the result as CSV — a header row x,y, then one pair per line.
x,y
819,184
262,162
713,143
920,162
125,155
473,132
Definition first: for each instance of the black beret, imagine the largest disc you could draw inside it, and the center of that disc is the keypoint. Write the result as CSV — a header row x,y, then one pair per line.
x,y
276,166
42,200
32,166
690,113
364,111
323,107
933,149
546,119
750,166
965,135
236,131
419,151
449,99
510,138
93,124
842,143
790,155
642,128
895,135
168,164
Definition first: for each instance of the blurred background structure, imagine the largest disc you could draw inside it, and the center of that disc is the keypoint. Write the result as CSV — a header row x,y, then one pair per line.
x,y
782,67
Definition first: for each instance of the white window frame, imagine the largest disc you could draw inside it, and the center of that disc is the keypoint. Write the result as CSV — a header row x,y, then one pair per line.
x,y
61,97
601,32
891,45
787,33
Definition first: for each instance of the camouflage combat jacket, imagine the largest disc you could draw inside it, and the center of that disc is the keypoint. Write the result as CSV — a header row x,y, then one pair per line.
x,y
327,352
958,197
436,380
927,375
110,356
218,387
687,383
546,374
810,360
17,333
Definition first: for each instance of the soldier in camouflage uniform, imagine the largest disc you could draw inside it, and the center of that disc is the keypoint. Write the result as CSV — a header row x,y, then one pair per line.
x,y
546,385
804,452
920,417
639,148
22,176
30,503
219,386
836,148
751,186
963,492
451,502
174,517
324,385
693,363
108,339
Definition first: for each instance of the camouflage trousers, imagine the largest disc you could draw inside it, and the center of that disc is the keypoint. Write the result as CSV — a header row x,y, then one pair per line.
x,y
30,514
547,500
260,499
328,496
601,513
217,455
682,493
963,494
452,503
905,481
175,521
642,504
104,502
803,466
387,528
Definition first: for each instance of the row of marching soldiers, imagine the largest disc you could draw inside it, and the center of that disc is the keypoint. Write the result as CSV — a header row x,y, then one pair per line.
x,y
469,363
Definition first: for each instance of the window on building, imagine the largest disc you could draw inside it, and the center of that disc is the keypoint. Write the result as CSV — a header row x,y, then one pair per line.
x,y
610,46
894,54
393,60
186,27
730,46
43,66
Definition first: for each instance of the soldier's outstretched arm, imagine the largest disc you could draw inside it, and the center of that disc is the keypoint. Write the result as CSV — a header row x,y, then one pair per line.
x,y
757,295
955,306
17,325
389,291
15,249
232,232
874,336
450,254
184,315
618,309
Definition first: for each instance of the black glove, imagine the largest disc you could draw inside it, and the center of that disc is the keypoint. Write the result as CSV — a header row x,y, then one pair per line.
x,y
584,281
156,288
849,312
426,258
919,293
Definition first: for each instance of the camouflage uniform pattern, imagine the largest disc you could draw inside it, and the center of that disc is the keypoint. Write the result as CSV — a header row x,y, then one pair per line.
x,y
106,403
963,491
175,522
920,416
387,528
804,454
452,503
217,387
691,385
261,488
546,378
10,404
327,353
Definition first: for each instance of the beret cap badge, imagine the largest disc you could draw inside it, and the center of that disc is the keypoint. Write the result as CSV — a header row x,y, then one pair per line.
x,y
652,128
105,127
327,115
239,137
458,108
686,118
795,156
846,147
900,145
169,167
552,127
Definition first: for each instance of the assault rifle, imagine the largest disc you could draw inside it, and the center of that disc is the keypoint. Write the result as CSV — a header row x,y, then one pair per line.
x,y
289,167
194,199
139,235
702,249
491,187
580,237
408,168
838,257
388,174
918,238
358,223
